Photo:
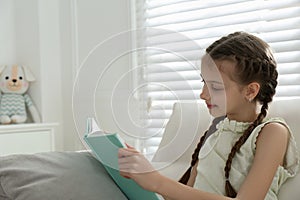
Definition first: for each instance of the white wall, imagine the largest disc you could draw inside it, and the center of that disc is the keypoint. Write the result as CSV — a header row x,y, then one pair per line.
x,y
85,26
7,33
54,38
28,44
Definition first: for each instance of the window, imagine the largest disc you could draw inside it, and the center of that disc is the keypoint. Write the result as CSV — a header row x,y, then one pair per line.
x,y
176,33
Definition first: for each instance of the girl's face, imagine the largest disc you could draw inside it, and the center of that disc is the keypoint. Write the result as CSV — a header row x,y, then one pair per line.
x,y
222,95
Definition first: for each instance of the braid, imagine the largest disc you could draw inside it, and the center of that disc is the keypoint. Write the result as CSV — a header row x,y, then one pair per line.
x,y
220,41
185,178
230,191
195,157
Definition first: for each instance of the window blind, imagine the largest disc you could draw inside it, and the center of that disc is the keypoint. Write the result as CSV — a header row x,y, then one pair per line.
x,y
176,33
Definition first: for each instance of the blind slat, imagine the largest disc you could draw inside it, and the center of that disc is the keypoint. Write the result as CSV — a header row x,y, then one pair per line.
x,y
289,68
173,66
173,95
177,85
207,36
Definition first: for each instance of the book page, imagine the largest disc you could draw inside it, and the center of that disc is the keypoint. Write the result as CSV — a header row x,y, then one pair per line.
x,y
92,128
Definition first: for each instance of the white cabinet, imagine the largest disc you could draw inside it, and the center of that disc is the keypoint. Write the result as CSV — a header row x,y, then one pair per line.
x,y
27,138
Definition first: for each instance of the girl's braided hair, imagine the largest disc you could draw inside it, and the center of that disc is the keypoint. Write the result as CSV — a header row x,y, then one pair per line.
x,y
254,62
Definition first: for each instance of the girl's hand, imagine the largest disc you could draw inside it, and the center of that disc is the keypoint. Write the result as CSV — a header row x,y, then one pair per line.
x,y
134,165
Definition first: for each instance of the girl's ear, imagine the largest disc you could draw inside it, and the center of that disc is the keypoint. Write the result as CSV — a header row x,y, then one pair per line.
x,y
252,90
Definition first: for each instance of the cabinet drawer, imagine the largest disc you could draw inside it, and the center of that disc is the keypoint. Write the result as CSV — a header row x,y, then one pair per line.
x,y
25,142
26,139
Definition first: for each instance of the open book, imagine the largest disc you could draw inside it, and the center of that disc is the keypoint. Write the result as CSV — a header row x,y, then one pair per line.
x,y
105,147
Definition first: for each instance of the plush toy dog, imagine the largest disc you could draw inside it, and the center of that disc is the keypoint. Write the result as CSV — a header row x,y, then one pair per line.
x,y
14,103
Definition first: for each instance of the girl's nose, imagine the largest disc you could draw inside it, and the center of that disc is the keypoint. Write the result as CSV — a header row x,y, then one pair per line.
x,y
205,93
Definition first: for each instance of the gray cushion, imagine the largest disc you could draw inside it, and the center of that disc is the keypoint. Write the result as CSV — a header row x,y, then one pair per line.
x,y
55,175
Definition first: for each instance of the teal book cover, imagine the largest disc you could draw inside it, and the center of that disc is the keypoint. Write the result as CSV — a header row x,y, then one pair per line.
x,y
105,147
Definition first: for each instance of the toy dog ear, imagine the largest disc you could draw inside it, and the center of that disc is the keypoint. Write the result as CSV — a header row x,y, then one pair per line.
x,y
28,74
2,67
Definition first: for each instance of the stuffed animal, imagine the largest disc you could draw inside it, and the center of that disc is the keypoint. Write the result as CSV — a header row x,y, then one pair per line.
x,y
14,101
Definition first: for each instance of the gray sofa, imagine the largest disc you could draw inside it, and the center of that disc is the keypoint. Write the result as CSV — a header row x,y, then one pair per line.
x,y
55,176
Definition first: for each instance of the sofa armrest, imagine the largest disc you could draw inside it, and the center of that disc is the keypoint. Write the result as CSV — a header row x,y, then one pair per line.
x,y
55,175
189,120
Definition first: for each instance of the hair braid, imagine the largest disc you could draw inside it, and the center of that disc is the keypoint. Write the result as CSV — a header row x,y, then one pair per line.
x,y
230,191
220,41
185,178
195,157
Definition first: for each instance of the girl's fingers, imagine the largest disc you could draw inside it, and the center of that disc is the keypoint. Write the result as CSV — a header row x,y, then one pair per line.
x,y
127,159
123,152
128,146
127,168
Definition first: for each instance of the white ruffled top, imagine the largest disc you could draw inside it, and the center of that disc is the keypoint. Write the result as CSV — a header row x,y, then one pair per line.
x,y
214,153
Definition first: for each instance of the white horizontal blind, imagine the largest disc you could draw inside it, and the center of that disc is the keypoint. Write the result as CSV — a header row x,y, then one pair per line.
x,y
176,33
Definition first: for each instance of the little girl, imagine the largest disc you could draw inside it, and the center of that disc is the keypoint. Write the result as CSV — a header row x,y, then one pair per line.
x,y
247,157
